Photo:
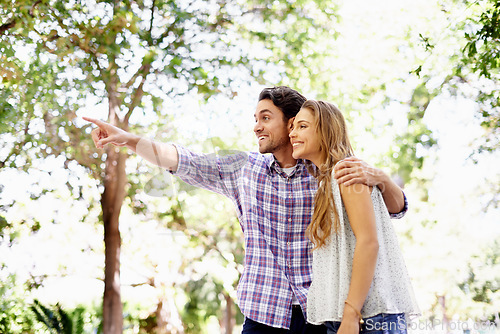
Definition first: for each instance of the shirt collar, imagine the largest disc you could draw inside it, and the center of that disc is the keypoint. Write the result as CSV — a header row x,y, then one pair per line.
x,y
274,167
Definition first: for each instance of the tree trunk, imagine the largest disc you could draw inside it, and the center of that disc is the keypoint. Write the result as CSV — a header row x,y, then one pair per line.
x,y
111,201
161,319
228,315
446,321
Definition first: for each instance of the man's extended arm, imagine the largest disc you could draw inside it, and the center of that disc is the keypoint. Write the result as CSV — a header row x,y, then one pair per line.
x,y
161,154
353,170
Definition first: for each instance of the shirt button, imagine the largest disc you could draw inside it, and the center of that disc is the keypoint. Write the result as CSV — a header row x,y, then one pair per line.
x,y
289,220
288,243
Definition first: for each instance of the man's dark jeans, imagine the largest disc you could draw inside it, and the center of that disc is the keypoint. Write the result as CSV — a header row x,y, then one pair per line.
x,y
297,326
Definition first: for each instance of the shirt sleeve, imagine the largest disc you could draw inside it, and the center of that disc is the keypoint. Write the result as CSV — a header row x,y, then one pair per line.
x,y
217,173
402,213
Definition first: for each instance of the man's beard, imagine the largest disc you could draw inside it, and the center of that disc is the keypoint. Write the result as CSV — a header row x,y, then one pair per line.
x,y
273,146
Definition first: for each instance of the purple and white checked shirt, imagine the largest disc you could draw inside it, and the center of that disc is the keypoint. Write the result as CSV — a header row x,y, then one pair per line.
x,y
273,210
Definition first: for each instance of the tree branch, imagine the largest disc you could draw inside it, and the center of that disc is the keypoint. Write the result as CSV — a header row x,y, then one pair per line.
x,y
139,93
139,72
33,7
152,17
6,26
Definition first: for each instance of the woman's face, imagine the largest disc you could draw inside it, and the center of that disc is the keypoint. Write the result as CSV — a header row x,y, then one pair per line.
x,y
305,138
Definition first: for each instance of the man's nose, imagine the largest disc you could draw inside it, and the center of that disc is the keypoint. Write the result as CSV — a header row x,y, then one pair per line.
x,y
257,128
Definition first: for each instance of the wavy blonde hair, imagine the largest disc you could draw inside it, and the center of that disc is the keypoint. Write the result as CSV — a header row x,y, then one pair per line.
x,y
334,143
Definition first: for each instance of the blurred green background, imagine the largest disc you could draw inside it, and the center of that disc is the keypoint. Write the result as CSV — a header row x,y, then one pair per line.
x,y
418,82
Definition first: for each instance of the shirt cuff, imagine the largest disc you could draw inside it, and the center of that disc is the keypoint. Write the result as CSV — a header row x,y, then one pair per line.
x,y
402,212
182,161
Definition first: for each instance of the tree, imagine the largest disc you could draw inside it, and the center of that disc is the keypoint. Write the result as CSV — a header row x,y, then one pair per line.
x,y
476,62
460,62
479,67
129,55
482,283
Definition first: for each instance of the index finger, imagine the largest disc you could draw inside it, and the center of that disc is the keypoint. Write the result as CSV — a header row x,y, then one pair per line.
x,y
97,122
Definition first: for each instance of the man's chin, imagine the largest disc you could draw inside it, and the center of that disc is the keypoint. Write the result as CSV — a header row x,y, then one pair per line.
x,y
264,150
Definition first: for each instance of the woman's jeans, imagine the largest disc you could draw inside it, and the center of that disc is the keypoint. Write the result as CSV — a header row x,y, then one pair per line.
x,y
382,323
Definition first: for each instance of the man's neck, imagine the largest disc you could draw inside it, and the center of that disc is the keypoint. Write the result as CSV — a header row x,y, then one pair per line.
x,y
284,157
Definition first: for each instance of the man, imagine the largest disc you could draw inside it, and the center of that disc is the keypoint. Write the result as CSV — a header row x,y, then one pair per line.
x,y
273,195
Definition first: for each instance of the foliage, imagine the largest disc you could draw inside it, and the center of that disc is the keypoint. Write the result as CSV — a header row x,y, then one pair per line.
x,y
60,60
56,319
409,155
13,315
481,57
212,254
203,303
482,51
58,57
462,61
482,284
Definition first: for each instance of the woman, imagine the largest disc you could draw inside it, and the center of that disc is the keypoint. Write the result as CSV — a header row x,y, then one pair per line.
x,y
360,281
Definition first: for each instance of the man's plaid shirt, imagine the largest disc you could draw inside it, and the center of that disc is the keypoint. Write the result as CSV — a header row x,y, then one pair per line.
x,y
274,210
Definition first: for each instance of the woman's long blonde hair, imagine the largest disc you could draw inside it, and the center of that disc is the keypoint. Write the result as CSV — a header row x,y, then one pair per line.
x,y
334,142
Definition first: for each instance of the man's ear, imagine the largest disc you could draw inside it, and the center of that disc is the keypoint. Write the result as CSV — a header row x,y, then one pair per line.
x,y
290,124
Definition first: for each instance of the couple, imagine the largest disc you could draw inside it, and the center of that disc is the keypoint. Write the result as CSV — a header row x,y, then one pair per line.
x,y
358,269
